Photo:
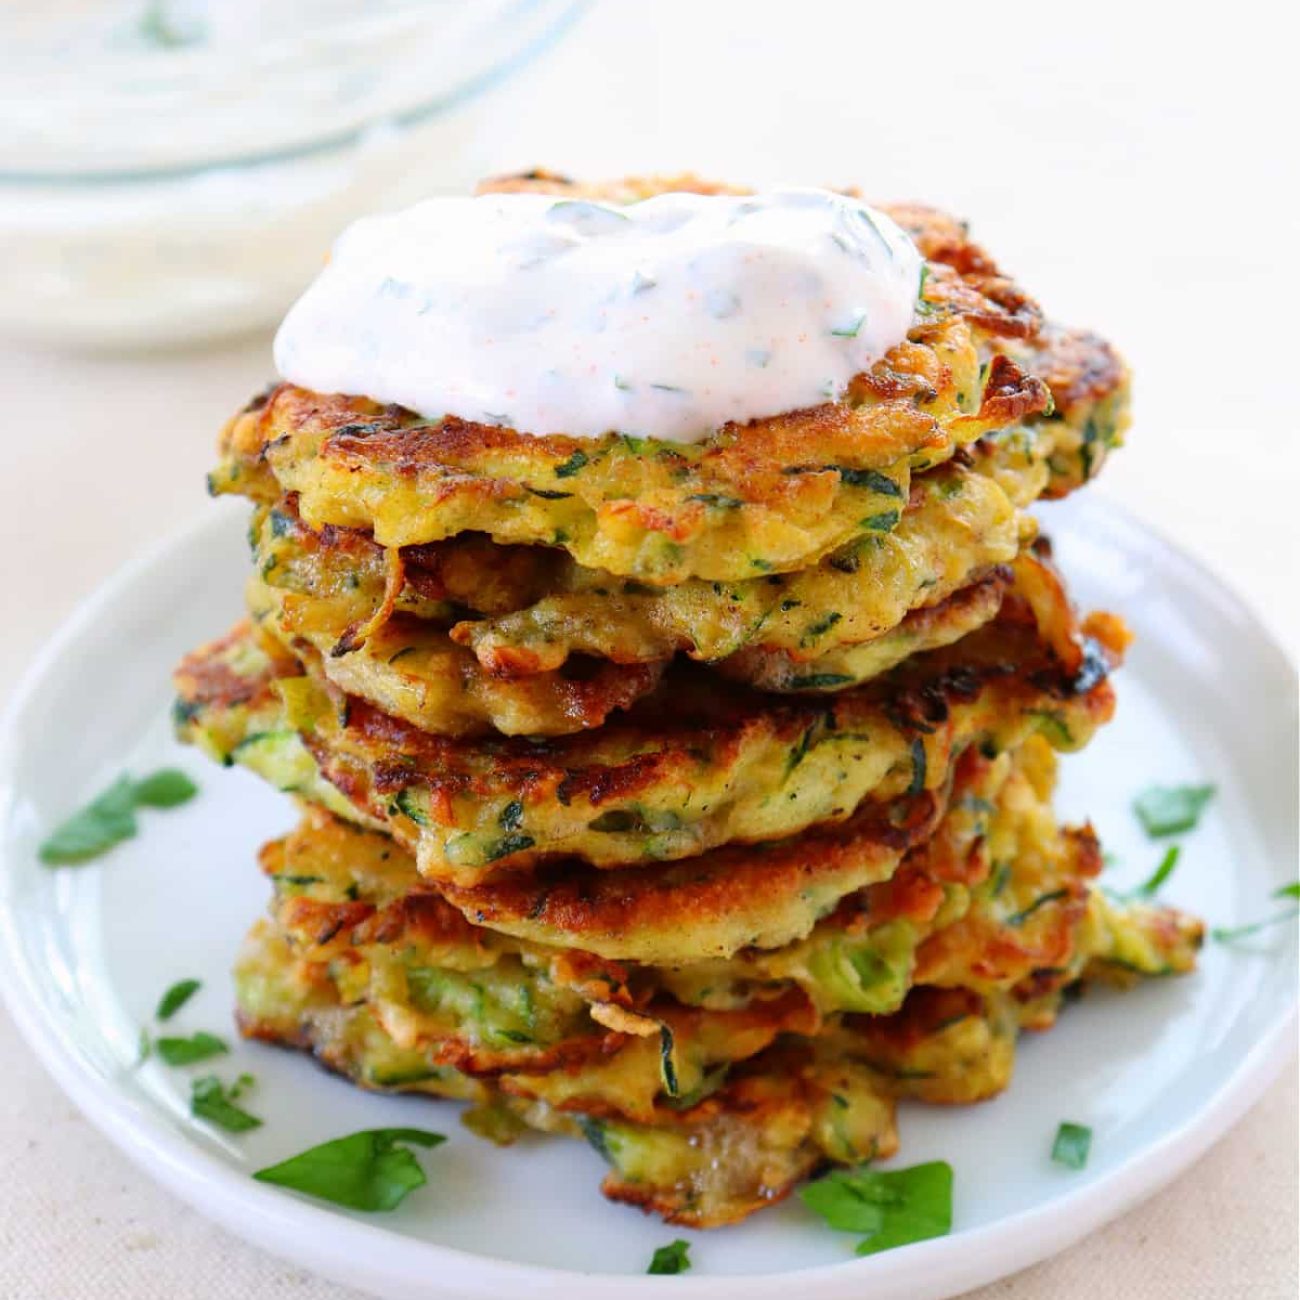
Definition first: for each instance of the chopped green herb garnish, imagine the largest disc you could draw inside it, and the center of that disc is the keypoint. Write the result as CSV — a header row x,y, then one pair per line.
x,y
1019,918
820,681
889,1207
512,816
167,788
109,818
1162,872
1170,810
1071,1146
585,210
820,627
176,997
672,1258
869,478
105,821
850,331
1230,934
210,1099
571,466
884,522
189,1051
506,845
1288,891
363,1171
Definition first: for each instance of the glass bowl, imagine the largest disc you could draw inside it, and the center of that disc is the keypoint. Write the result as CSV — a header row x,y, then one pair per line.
x,y
175,170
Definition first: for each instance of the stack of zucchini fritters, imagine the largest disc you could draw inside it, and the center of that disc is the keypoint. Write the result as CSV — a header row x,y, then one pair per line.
x,y
695,799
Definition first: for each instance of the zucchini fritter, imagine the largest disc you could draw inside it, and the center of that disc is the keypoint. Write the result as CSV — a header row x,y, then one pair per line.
x,y
412,669
524,610
956,526
995,875
339,590
771,496
708,1117
696,764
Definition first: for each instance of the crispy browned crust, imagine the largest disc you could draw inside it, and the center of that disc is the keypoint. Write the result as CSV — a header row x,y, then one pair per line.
x,y
1078,366
616,910
701,716
796,881
992,952
318,593
580,696
205,676
454,459
689,736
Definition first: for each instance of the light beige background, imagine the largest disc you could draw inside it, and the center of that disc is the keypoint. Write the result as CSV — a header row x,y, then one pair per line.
x,y
1119,165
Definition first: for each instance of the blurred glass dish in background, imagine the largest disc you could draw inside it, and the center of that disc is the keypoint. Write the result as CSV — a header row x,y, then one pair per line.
x,y
174,170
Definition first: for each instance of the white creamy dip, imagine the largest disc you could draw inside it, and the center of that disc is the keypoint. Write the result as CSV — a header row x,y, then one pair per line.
x,y
666,318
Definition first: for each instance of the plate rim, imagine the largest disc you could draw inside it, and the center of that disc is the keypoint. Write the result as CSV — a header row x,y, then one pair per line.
x,y
371,1256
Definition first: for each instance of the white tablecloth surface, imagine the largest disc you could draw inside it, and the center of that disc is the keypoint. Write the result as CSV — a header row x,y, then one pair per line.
x,y
1117,161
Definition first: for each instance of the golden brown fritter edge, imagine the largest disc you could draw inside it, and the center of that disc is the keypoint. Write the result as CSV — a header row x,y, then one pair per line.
x,y
768,496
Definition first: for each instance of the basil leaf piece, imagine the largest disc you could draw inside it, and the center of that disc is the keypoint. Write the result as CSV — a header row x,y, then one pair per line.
x,y
672,1258
166,788
1073,1141
176,997
1170,810
107,820
1288,891
1161,873
892,1207
210,1099
363,1171
189,1051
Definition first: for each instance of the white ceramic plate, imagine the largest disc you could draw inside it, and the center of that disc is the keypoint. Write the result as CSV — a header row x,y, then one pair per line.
x,y
1158,1073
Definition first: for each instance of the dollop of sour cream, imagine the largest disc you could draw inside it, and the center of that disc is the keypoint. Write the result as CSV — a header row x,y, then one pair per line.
x,y
665,318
